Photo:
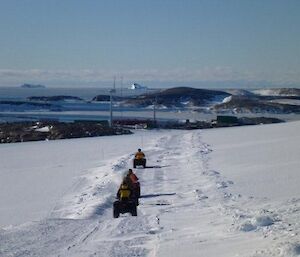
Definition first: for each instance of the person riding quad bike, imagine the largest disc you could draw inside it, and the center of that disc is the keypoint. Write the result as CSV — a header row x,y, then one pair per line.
x,y
132,180
139,159
126,201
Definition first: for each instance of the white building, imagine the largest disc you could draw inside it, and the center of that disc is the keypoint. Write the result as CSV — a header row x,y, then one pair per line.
x,y
136,86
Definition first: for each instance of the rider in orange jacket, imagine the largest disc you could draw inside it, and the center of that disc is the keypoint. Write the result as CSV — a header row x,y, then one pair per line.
x,y
139,159
139,154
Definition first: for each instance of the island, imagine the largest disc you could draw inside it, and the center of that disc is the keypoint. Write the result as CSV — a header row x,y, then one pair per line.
x,y
32,86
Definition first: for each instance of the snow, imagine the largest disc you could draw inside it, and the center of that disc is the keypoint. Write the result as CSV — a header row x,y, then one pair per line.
x,y
258,155
265,92
219,192
275,92
227,99
34,175
43,129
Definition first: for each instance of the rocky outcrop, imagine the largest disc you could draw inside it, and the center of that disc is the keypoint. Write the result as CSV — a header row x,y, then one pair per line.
x,y
243,104
106,98
50,130
32,86
54,98
278,92
258,120
289,92
178,97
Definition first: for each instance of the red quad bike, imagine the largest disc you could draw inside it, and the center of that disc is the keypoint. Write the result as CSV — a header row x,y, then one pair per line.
x,y
139,162
124,207
137,189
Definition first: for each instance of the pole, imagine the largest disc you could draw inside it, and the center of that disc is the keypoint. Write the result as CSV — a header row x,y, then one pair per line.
x,y
121,109
111,103
110,110
154,112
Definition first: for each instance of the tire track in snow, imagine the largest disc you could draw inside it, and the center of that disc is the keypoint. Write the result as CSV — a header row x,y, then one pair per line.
x,y
95,232
185,184
197,192
82,225
175,191
129,236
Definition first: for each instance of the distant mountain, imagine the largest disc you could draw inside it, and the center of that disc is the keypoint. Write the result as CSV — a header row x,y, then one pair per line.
x,y
32,86
239,92
179,97
245,104
278,92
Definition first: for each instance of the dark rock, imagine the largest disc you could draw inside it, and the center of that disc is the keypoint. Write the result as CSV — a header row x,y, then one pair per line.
x,y
29,131
178,97
54,98
32,86
101,98
106,98
258,120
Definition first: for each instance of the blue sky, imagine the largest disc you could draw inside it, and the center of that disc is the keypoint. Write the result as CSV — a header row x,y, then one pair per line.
x,y
87,42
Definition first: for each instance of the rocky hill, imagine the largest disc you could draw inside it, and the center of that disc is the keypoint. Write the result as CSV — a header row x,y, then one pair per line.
x,y
106,98
233,101
278,92
179,97
239,92
244,104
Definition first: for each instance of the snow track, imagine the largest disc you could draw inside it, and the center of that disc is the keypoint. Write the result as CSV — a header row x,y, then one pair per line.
x,y
186,209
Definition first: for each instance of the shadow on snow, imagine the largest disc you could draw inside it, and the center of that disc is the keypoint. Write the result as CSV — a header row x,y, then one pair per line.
x,y
156,166
156,195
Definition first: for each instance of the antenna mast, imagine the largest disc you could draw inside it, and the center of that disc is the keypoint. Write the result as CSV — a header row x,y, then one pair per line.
x,y
154,111
111,103
121,109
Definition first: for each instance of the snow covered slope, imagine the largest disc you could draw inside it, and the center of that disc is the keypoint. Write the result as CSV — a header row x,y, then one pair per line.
x,y
260,159
205,193
35,175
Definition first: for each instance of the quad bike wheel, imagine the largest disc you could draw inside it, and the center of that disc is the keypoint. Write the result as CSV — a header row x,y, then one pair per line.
x,y
134,210
139,162
116,212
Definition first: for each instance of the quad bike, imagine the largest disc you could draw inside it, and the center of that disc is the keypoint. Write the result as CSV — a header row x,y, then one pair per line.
x,y
124,207
137,190
139,162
